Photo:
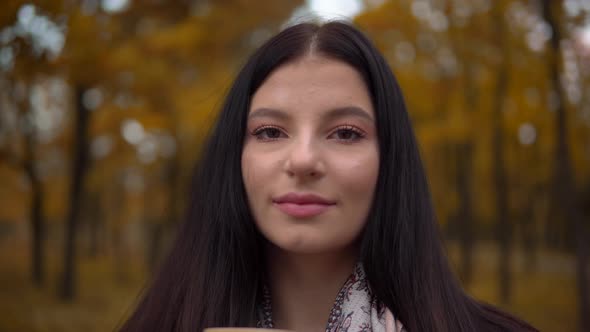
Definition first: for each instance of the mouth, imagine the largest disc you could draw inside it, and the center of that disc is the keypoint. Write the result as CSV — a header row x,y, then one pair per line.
x,y
303,205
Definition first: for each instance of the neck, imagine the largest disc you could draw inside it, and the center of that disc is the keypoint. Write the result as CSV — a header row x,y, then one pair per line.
x,y
304,286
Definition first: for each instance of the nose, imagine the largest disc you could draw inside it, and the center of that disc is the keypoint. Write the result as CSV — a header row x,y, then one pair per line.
x,y
304,160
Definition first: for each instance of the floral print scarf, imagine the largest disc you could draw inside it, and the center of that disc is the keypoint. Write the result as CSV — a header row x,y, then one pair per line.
x,y
356,309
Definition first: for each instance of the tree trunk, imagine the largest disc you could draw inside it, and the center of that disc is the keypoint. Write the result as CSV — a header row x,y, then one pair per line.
x,y
465,220
164,219
503,225
79,161
532,196
36,208
156,232
582,274
504,229
463,171
94,222
564,194
465,179
36,204
529,237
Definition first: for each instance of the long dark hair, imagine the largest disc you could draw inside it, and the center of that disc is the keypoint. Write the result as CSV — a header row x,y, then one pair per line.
x,y
214,272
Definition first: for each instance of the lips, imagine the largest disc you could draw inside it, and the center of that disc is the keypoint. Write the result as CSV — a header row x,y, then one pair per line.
x,y
302,205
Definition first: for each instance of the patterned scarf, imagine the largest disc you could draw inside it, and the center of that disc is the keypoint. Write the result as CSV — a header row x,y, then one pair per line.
x,y
356,309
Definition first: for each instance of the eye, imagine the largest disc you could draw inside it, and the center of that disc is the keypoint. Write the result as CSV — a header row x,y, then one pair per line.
x,y
267,133
348,134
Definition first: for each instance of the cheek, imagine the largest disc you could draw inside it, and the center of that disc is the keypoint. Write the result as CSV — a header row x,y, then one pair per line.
x,y
249,174
257,169
358,174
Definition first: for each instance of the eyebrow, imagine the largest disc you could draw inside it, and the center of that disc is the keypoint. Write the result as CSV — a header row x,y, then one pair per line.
x,y
332,114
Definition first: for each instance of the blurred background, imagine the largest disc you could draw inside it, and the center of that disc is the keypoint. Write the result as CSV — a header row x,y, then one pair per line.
x,y
104,106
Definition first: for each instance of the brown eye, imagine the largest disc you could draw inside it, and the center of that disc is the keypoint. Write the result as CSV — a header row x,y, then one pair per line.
x,y
268,133
348,134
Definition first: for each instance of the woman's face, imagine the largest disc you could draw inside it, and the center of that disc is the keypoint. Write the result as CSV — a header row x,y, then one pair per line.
x,y
310,159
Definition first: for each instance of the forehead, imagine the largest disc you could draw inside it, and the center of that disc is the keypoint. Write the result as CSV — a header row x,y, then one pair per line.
x,y
313,83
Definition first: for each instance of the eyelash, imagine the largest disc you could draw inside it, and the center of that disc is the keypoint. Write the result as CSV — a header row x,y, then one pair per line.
x,y
258,131
360,134
262,129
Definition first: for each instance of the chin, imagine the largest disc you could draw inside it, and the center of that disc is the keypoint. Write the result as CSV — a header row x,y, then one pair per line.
x,y
304,245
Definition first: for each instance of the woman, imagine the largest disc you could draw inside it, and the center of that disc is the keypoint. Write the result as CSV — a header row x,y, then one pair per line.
x,y
311,189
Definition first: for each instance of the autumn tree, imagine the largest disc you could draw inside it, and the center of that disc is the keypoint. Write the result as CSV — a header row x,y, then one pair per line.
x,y
503,222
564,197
24,73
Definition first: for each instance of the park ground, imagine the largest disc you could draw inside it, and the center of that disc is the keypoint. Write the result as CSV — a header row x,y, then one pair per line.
x,y
546,297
